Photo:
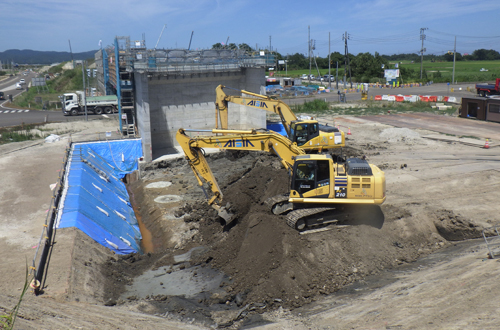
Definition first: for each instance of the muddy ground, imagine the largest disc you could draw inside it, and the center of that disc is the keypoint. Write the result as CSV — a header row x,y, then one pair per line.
x,y
440,195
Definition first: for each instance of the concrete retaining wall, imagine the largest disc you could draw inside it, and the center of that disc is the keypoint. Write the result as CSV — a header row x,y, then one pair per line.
x,y
166,103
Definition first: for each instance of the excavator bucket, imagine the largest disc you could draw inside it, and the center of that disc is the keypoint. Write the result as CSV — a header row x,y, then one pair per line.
x,y
225,213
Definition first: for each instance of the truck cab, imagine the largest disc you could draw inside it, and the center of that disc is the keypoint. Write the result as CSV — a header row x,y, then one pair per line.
x,y
70,104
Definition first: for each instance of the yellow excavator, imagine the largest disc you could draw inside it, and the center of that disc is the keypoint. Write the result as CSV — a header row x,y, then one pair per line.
x,y
308,134
320,187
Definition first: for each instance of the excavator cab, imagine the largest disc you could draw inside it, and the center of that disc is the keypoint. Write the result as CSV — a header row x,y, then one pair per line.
x,y
312,177
302,131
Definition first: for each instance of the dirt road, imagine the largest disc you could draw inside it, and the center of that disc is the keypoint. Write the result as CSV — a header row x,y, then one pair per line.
x,y
440,196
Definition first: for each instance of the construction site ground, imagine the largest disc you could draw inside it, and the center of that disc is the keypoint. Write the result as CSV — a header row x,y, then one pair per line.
x,y
417,262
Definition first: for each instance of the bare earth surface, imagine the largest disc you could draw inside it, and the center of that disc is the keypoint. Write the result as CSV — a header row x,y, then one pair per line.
x,y
419,261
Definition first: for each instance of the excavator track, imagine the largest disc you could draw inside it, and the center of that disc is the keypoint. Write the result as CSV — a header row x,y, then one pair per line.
x,y
279,204
307,218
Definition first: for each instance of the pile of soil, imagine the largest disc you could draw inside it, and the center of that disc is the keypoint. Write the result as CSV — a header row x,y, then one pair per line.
x,y
268,264
272,264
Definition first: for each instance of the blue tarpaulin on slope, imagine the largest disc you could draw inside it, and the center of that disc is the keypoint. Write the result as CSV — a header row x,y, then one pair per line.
x,y
277,127
95,200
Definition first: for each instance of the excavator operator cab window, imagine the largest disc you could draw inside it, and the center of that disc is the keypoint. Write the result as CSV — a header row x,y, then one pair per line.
x,y
323,172
303,132
305,176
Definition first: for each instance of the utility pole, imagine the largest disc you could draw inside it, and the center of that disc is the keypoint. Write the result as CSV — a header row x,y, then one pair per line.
x,y
84,92
309,43
422,50
454,57
346,60
72,60
329,64
286,65
337,76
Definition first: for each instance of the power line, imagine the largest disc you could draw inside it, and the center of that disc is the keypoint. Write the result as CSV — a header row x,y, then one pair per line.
x,y
462,36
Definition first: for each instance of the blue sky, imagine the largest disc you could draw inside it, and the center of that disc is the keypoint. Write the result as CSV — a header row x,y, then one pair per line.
x,y
384,26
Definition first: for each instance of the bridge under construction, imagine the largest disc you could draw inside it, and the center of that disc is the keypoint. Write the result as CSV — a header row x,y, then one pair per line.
x,y
162,90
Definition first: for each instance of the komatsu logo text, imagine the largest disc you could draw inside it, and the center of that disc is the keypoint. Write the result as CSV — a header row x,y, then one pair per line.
x,y
238,143
259,104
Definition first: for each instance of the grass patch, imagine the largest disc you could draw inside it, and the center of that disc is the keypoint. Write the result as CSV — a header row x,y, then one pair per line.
x,y
7,321
369,108
311,107
469,137
18,134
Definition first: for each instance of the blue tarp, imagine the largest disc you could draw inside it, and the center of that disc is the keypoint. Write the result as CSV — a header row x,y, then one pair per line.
x,y
277,127
95,200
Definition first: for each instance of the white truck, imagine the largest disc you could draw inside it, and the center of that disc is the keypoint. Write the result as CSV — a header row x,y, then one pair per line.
x,y
74,104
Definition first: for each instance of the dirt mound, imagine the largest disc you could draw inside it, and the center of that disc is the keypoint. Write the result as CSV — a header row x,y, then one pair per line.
x,y
455,227
268,264
271,263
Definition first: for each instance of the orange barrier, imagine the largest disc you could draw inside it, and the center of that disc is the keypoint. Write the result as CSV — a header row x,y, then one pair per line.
x,y
399,98
424,98
378,97
433,98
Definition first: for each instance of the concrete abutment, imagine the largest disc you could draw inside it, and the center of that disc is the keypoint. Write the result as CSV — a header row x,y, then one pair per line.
x,y
166,102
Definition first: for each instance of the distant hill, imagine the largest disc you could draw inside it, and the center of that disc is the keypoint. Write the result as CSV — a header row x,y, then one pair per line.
x,y
28,56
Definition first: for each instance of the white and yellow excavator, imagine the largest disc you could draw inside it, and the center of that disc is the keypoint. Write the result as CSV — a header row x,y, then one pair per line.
x,y
320,187
308,134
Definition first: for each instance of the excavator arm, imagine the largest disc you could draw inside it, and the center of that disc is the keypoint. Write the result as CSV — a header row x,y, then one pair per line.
x,y
309,134
255,101
267,141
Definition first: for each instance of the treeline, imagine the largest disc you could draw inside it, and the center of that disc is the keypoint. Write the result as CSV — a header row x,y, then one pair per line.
x,y
26,56
369,67
477,55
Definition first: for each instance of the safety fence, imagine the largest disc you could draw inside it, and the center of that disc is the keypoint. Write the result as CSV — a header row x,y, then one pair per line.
x,y
48,227
416,98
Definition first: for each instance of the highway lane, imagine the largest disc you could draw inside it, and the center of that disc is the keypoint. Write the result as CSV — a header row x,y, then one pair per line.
x,y
14,117
8,85
441,89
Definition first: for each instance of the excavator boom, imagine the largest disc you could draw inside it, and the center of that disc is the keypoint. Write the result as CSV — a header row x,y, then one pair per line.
x,y
308,134
253,100
267,141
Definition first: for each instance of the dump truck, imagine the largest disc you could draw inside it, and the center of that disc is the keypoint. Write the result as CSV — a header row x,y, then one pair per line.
x,y
487,90
74,104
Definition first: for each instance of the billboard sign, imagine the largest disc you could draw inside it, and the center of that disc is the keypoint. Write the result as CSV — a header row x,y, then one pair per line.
x,y
391,74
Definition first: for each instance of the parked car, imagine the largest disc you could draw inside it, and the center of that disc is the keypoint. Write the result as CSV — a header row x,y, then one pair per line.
x,y
22,81
327,77
306,77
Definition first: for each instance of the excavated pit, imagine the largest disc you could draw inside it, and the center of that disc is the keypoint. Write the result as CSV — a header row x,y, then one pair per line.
x,y
258,263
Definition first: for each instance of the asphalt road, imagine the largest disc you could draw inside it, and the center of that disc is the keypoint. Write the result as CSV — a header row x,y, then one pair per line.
x,y
13,116
441,89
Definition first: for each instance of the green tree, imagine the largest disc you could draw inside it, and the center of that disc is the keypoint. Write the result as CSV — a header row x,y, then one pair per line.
x,y
245,47
336,57
297,61
449,57
485,55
